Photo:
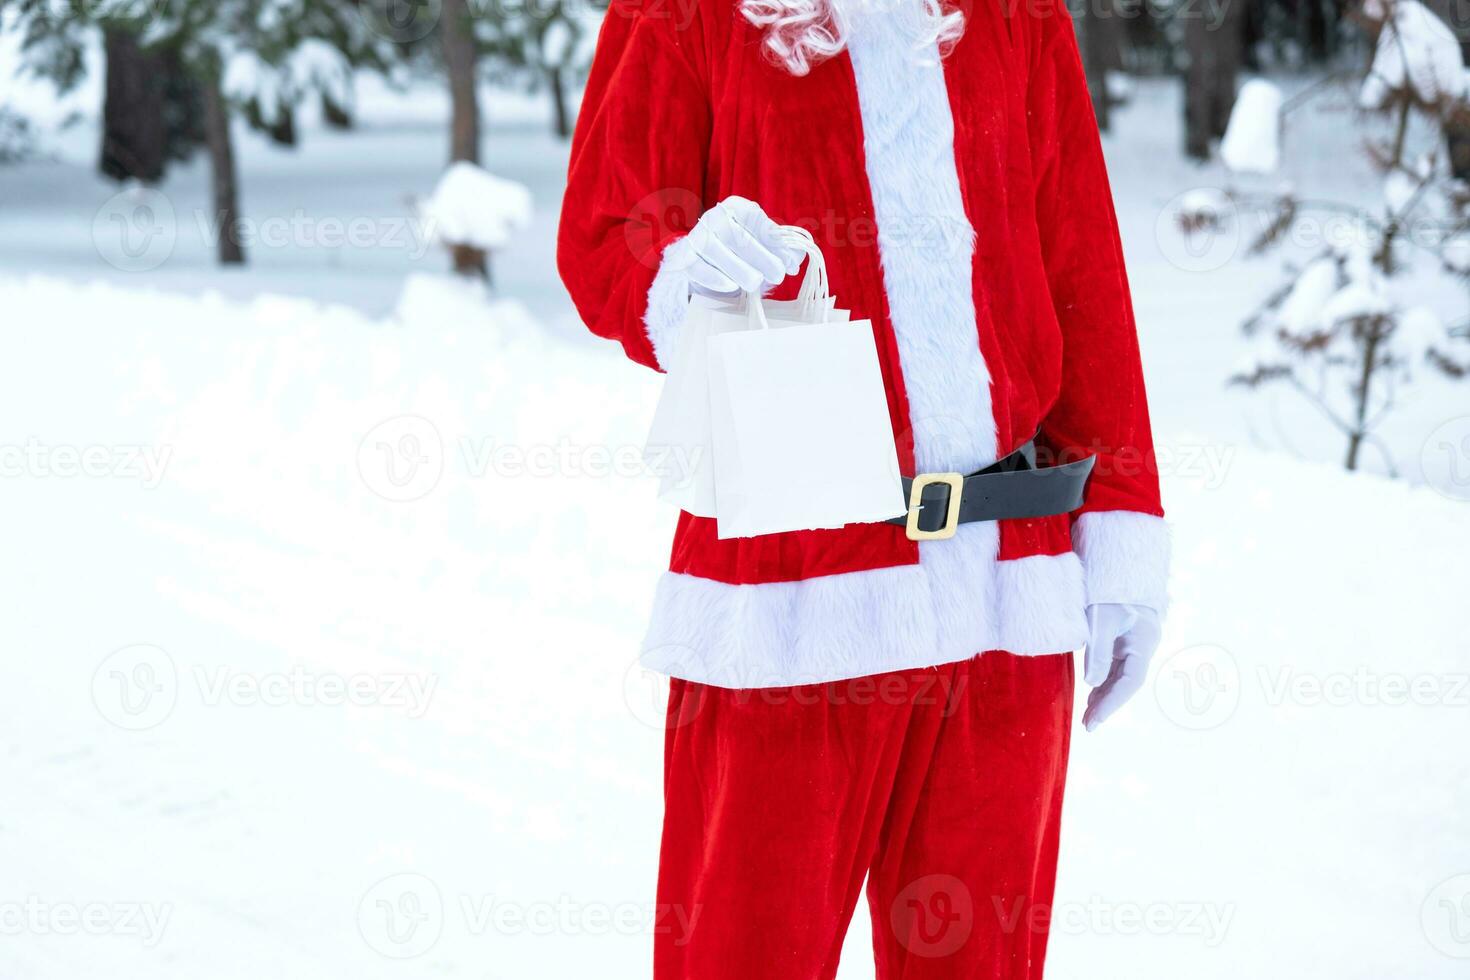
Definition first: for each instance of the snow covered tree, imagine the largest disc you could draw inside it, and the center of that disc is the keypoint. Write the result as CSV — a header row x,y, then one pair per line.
x,y
542,41
17,136
1346,330
561,52
547,46
291,52
256,58
52,39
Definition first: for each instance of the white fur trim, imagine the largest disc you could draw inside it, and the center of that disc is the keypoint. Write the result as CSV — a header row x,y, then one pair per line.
x,y
925,240
959,601
1125,556
668,300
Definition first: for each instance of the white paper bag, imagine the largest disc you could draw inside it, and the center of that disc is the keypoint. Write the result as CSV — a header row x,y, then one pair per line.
x,y
678,445
678,448
800,429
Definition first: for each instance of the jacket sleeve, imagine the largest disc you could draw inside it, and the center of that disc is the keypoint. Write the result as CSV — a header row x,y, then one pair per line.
x,y
636,179
1101,409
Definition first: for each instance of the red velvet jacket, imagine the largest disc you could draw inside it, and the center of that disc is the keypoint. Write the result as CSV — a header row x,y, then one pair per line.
x,y
963,206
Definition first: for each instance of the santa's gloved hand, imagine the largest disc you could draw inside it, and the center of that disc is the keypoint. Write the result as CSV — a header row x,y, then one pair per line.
x,y
735,247
1122,639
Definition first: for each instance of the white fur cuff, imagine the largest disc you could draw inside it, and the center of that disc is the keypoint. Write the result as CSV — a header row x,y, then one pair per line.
x,y
668,301
1125,557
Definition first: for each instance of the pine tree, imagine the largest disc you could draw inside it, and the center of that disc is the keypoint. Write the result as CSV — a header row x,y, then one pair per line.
x,y
255,58
1343,330
546,46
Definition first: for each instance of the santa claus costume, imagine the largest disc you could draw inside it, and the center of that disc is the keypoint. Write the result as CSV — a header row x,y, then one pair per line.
x,y
850,703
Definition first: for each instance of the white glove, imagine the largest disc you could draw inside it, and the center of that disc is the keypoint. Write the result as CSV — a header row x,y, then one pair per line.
x,y
735,247
1122,639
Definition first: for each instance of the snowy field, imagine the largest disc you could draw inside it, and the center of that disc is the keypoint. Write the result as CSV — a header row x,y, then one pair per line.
x,y
326,580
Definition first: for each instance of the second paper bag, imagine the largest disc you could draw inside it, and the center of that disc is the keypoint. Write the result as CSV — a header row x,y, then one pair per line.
x,y
800,430
679,449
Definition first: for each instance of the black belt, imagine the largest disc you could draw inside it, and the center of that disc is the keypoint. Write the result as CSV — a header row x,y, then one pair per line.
x,y
1014,487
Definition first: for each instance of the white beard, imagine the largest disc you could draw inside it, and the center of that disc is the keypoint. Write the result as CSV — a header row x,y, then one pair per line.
x,y
803,33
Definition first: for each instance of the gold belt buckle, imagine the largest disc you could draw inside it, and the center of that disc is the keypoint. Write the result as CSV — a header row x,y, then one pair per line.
x,y
916,500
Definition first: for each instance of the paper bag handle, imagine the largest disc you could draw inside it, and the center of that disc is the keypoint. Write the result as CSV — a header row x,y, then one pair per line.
x,y
815,288
814,285
755,310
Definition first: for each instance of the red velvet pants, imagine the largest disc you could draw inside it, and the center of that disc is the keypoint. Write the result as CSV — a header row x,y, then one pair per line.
x,y
943,787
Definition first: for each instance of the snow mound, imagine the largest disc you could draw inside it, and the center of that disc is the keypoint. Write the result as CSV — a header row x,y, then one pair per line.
x,y
436,497
1120,86
428,301
1252,142
471,206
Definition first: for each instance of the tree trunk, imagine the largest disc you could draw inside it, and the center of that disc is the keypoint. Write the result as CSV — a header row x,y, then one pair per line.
x,y
457,33
134,134
1376,328
222,169
1383,258
1457,120
1101,26
563,116
1361,392
460,57
1214,44
1318,31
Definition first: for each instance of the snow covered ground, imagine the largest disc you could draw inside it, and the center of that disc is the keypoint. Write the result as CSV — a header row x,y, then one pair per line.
x,y
325,581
